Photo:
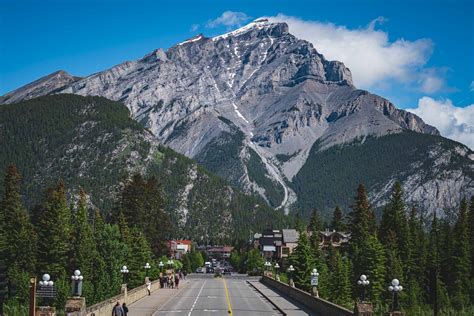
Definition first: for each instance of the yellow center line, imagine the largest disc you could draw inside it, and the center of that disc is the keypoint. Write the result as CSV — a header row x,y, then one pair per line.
x,y
227,296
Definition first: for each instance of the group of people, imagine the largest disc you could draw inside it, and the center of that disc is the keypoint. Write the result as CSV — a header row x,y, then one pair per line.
x,y
166,281
120,310
170,281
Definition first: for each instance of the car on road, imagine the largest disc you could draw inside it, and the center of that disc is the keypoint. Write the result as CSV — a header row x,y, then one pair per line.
x,y
200,270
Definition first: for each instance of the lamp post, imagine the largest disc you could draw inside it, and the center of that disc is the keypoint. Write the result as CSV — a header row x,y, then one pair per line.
x,y
291,269
46,280
124,272
76,279
161,264
46,285
277,268
146,267
363,282
314,282
267,267
395,287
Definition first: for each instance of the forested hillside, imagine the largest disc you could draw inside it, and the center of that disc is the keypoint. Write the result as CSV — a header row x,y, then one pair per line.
x,y
419,161
91,142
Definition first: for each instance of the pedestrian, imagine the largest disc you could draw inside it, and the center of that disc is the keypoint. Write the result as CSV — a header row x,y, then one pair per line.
x,y
162,283
125,309
118,310
176,280
148,287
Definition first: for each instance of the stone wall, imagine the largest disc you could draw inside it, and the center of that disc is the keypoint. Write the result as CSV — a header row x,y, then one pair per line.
x,y
104,308
318,305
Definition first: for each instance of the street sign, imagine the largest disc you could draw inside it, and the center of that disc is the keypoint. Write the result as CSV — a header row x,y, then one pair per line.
x,y
314,281
46,291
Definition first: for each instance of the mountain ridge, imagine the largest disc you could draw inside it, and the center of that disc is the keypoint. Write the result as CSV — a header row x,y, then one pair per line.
x,y
273,88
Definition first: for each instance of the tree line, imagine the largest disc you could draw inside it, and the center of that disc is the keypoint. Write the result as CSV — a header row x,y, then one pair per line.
x,y
432,257
60,235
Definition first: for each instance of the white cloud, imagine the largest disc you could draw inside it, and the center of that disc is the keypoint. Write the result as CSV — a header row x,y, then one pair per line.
x,y
229,19
452,122
194,27
432,80
370,55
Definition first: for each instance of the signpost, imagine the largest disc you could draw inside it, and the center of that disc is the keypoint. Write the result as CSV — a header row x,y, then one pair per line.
x,y
314,282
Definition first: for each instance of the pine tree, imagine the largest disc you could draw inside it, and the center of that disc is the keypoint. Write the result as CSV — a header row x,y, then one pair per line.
x,y
99,273
435,287
337,222
471,242
339,284
360,217
394,221
415,266
54,233
114,253
314,227
370,259
461,258
142,205
140,253
17,230
303,261
84,245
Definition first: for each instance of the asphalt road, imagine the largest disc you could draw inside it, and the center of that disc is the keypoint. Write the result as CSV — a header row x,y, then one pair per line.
x,y
217,296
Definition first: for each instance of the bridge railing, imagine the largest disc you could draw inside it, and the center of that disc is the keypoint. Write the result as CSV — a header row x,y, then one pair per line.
x,y
318,305
105,307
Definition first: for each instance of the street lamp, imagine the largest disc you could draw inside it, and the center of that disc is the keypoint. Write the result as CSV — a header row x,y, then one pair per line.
x,y
161,266
395,287
46,280
46,286
363,282
77,283
277,268
267,267
290,272
146,267
314,281
124,272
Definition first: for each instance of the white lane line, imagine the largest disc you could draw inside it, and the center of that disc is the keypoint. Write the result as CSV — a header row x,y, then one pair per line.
x,y
195,301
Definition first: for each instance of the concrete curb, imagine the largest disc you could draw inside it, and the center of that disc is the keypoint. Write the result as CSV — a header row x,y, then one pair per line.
x,y
267,298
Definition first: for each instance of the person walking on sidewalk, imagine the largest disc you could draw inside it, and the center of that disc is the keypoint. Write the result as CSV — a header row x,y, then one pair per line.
x,y
118,310
148,287
125,309
176,281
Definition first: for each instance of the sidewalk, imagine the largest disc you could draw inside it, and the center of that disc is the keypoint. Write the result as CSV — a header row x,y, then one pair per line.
x,y
149,304
286,305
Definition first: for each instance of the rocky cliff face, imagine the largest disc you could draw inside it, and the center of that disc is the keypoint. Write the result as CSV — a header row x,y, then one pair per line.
x,y
260,85
40,87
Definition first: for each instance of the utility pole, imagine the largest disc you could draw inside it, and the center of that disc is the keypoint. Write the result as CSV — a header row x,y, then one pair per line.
x,y
32,287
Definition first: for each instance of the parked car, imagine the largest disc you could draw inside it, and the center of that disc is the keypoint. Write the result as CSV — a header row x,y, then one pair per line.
x,y
200,270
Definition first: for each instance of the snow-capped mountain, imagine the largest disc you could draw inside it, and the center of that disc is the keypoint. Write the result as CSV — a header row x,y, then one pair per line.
x,y
252,104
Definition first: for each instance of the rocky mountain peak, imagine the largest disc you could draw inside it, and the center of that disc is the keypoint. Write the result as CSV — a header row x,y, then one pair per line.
x,y
249,104
42,86
258,28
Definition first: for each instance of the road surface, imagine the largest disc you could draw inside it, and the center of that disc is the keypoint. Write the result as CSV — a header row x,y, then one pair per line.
x,y
216,296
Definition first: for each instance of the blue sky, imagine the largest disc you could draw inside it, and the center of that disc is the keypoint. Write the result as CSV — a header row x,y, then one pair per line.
x,y
405,51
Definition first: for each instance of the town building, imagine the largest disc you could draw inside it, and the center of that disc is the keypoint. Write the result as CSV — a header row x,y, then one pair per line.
x,y
220,252
334,238
276,244
177,248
